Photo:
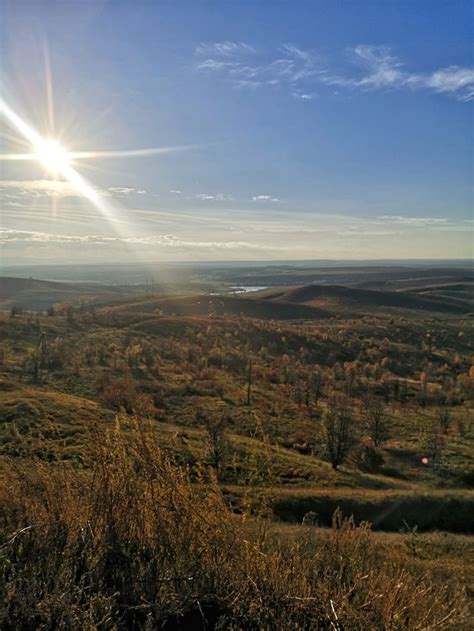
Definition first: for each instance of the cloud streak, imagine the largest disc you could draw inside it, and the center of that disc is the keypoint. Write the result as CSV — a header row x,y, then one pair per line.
x,y
385,70
38,188
123,191
218,197
166,240
23,190
300,70
245,67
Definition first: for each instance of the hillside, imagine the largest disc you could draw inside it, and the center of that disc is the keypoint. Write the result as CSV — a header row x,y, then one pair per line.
x,y
38,295
336,297
374,276
177,428
160,358
224,305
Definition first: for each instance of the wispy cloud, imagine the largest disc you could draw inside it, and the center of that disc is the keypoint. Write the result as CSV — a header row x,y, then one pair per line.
x,y
166,240
218,197
386,70
18,191
264,198
38,188
303,96
123,191
412,221
246,67
224,49
299,70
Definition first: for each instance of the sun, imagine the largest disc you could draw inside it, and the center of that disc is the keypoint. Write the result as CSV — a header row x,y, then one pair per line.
x,y
60,162
54,157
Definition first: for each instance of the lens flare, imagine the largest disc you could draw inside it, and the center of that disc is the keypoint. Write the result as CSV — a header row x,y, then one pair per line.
x,y
58,161
52,156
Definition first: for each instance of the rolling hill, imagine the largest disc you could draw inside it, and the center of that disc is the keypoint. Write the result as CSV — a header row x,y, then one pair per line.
x,y
37,295
206,305
337,297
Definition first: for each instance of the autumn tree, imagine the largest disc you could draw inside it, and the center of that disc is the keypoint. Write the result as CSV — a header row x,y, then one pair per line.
x,y
338,431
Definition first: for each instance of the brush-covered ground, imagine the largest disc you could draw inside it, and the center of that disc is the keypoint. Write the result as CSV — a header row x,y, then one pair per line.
x,y
284,420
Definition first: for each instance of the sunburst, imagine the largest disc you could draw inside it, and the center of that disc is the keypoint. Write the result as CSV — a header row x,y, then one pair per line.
x,y
59,161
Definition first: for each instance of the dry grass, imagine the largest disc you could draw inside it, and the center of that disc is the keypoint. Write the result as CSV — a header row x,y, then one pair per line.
x,y
136,544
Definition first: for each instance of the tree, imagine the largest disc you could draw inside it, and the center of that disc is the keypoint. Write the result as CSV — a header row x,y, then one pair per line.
x,y
338,432
249,382
443,416
314,386
435,443
216,443
39,358
376,422
423,388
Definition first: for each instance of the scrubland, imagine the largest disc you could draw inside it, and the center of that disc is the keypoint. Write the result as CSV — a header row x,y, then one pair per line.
x,y
216,470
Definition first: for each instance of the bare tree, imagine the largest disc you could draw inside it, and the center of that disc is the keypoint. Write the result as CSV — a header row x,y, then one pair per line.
x,y
435,443
216,443
422,394
314,386
39,358
338,432
443,416
376,422
249,382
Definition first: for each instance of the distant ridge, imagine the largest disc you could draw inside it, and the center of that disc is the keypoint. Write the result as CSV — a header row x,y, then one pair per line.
x,y
339,297
31,293
224,305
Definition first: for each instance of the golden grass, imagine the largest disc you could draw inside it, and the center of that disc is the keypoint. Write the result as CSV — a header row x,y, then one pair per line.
x,y
134,543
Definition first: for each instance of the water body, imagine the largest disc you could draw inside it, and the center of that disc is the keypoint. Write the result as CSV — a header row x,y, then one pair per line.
x,y
245,289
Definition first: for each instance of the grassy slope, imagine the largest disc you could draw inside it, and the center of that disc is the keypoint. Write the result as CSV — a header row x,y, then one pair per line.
x,y
60,420
57,417
334,297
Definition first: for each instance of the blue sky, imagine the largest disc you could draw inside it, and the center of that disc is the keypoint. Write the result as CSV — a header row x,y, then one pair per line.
x,y
306,129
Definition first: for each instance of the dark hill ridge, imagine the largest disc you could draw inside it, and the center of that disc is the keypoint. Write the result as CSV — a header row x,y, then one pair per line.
x,y
376,276
10,286
298,302
339,297
35,294
205,305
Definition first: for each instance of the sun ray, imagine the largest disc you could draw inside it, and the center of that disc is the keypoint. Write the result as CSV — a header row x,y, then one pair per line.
x,y
86,155
49,87
44,152
18,156
128,153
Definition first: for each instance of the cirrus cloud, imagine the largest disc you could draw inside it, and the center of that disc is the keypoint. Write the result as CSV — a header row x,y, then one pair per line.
x,y
299,70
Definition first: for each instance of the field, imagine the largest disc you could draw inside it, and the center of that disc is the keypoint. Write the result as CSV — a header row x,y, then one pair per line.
x,y
271,426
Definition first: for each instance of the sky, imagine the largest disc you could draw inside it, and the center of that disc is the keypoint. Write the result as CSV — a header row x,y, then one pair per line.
x,y
286,130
